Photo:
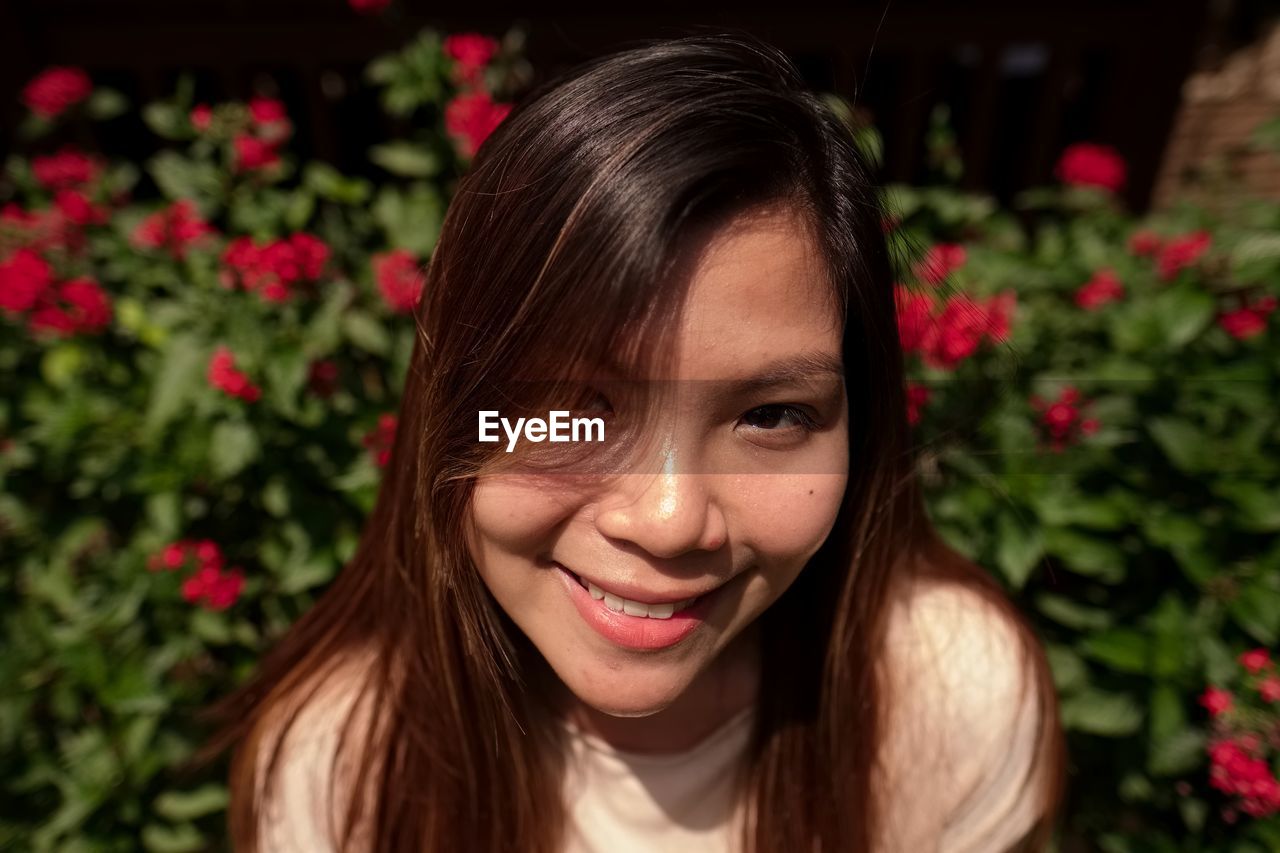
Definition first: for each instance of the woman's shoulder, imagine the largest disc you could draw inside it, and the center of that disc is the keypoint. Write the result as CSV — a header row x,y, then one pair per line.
x,y
969,738
306,751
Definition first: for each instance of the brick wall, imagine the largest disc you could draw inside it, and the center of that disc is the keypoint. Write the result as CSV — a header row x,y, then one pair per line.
x,y
1220,110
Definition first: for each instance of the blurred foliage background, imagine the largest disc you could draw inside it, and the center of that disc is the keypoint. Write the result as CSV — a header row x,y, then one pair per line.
x,y
202,355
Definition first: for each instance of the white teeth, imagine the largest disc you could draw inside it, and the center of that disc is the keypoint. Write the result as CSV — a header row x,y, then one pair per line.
x,y
661,611
619,604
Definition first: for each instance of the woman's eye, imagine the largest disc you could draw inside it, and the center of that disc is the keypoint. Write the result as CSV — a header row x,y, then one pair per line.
x,y
780,418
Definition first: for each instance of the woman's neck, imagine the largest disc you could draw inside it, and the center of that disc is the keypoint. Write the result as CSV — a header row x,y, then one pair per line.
x,y
728,686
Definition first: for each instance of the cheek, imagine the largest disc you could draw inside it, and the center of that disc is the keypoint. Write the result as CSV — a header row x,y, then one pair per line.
x,y
786,518
513,514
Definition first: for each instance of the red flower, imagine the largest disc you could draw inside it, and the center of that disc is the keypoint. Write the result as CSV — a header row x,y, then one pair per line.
x,y
956,333
369,7
917,397
76,208
1216,701
1104,287
23,278
946,338
1255,660
213,588
939,262
1269,689
1086,164
399,280
381,439
174,556
253,153
1144,243
1063,419
1249,321
67,168
915,315
1237,769
174,229
470,52
55,89
322,378
85,309
272,270
1181,252
271,118
224,376
201,118
309,256
471,117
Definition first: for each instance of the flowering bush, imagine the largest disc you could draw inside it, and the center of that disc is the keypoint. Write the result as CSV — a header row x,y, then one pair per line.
x,y
1096,399
203,356
1245,741
201,360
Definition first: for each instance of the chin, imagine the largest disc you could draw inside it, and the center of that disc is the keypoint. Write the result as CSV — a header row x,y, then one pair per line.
x,y
627,691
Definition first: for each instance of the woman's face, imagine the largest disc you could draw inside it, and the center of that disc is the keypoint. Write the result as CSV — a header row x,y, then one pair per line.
x,y
737,486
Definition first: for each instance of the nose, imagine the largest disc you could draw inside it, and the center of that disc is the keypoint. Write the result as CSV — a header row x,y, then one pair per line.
x,y
667,513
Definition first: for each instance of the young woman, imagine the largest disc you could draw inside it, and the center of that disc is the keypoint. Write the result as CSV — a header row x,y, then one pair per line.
x,y
728,625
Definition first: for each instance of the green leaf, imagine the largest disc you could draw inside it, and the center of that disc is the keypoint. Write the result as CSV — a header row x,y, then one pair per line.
x,y
1120,649
327,182
177,382
1092,556
1171,650
1185,539
188,805
1019,547
166,120
1258,507
1182,313
233,446
210,626
1073,614
366,332
1069,672
406,159
179,177
106,103
1257,610
302,203
158,838
61,364
1097,712
1180,753
411,218
1182,442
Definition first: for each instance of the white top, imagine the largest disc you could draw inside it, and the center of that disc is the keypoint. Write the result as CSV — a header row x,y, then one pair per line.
x,y
959,789
630,802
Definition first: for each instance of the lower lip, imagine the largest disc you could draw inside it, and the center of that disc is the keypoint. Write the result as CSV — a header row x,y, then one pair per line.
x,y
636,632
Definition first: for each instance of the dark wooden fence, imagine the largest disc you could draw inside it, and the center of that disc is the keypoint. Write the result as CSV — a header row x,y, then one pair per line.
x,y
1022,79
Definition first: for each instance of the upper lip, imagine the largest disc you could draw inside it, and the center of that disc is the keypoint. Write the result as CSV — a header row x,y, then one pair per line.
x,y
631,592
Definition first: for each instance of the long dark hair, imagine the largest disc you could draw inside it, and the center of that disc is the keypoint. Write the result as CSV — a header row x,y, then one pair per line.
x,y
568,218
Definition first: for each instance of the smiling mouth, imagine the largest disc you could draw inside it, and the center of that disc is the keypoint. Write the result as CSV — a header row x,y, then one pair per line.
x,y
618,604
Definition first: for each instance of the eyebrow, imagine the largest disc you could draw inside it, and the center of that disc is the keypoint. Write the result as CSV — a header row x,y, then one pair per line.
x,y
795,368
791,369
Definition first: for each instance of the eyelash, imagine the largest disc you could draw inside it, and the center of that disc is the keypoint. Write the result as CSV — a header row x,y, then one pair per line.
x,y
804,421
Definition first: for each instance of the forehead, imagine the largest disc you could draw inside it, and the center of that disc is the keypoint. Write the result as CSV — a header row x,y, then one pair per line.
x,y
758,292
